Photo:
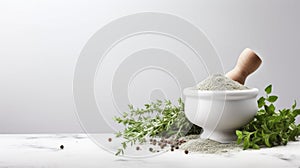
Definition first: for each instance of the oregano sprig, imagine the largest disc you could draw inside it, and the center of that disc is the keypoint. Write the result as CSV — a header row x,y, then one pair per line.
x,y
270,127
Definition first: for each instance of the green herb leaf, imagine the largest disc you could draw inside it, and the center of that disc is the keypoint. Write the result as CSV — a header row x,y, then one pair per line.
x,y
272,108
272,99
239,135
268,89
296,112
261,102
255,146
294,105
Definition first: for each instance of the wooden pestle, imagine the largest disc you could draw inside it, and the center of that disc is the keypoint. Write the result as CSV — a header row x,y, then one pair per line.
x,y
247,63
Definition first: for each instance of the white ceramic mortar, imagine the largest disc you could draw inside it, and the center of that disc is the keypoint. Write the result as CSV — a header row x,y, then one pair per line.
x,y
220,113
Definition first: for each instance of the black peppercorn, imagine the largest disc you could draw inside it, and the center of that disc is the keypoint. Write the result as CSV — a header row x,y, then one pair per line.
x,y
61,147
186,151
109,139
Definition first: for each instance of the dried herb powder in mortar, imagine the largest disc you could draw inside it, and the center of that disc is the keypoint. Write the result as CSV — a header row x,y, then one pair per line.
x,y
220,82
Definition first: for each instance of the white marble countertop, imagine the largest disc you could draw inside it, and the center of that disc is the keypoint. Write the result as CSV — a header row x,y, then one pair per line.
x,y
41,150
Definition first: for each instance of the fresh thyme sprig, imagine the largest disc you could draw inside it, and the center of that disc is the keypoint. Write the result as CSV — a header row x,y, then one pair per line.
x,y
157,119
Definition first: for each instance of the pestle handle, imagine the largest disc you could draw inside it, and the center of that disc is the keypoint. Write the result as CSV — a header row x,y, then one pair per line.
x,y
247,63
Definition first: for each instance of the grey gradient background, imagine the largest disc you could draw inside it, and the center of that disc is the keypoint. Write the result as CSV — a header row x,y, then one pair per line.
x,y
40,42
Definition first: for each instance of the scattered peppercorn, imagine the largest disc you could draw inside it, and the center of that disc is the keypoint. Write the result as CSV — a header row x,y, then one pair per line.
x,y
151,149
177,147
109,139
61,147
172,149
138,148
186,151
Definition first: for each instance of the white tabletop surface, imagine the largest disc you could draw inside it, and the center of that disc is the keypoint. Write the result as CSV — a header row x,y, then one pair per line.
x,y
41,150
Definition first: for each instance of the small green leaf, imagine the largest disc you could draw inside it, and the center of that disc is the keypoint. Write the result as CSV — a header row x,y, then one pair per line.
x,y
247,141
266,140
147,106
268,109
261,102
119,152
239,134
272,99
246,144
118,134
130,107
296,112
272,107
256,139
294,105
255,146
268,89
124,145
